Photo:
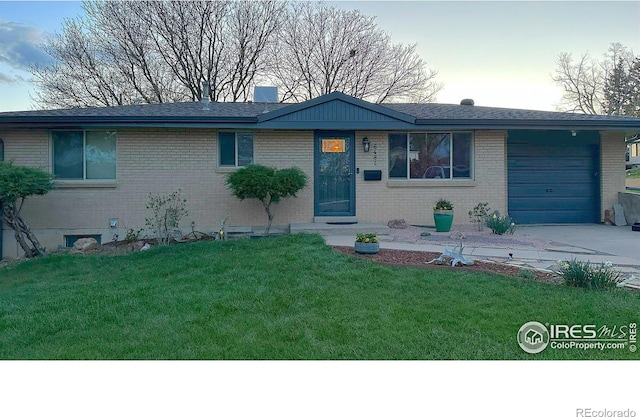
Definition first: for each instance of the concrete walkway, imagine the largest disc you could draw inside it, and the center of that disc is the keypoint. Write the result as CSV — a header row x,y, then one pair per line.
x,y
588,243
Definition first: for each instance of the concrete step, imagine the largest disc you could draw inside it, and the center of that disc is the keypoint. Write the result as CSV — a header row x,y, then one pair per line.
x,y
326,229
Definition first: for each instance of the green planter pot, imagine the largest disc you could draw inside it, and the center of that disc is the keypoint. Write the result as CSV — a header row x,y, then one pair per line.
x,y
443,220
369,248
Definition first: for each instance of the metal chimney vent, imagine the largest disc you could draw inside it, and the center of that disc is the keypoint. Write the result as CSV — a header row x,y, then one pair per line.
x,y
204,99
467,102
265,94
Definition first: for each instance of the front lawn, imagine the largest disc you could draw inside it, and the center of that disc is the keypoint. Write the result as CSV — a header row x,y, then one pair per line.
x,y
281,298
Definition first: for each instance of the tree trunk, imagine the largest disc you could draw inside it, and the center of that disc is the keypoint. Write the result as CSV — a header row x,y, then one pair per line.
x,y
28,252
22,229
37,247
267,208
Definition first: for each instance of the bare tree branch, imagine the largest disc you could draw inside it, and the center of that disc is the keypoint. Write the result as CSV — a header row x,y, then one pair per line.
x,y
127,52
588,83
323,49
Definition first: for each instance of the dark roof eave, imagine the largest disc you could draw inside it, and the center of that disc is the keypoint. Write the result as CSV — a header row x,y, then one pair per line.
x,y
120,121
531,124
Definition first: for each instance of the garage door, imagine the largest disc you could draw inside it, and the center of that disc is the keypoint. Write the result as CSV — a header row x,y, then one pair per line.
x,y
553,177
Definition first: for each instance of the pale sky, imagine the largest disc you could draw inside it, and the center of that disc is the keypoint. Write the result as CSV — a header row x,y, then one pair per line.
x,y
499,53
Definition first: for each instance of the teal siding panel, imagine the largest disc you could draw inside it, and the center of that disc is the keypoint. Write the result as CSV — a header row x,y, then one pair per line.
x,y
334,111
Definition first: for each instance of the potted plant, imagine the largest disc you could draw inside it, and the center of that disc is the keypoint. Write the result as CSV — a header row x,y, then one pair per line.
x,y
367,243
443,215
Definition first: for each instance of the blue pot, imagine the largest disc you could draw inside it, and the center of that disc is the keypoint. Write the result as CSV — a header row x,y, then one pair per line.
x,y
368,248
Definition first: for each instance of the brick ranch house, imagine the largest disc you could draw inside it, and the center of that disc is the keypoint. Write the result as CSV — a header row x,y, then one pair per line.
x,y
366,162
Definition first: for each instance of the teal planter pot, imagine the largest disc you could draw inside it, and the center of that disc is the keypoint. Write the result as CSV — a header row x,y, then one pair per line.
x,y
368,248
443,220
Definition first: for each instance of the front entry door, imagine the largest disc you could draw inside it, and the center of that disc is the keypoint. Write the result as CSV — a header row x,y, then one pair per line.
x,y
334,173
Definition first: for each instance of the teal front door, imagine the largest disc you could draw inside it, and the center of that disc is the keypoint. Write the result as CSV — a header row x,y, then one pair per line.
x,y
334,173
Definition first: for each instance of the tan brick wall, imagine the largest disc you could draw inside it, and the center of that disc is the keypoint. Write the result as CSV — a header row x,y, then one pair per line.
x,y
26,147
612,168
153,161
412,200
160,160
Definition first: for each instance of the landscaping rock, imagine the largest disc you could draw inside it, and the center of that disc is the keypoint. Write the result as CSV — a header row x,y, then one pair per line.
x,y
84,244
457,234
619,215
609,217
397,224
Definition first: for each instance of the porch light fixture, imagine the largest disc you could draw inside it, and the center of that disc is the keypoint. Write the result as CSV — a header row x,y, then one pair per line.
x,y
366,143
574,133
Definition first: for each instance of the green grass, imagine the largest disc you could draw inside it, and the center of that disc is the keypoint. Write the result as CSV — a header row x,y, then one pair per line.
x,y
633,173
280,298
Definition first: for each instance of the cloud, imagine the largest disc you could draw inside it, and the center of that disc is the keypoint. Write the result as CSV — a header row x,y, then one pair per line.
x,y
6,78
20,46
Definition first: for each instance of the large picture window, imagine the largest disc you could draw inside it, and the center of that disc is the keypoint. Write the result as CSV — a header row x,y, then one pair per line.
x,y
427,155
236,149
84,155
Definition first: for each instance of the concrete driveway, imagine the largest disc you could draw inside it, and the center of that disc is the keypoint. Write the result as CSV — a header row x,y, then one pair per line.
x,y
603,239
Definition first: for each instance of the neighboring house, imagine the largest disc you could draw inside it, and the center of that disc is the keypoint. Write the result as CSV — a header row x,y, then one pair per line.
x,y
539,167
633,151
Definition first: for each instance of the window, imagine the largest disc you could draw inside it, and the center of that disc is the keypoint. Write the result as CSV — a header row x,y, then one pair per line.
x,y
236,149
423,155
79,155
69,240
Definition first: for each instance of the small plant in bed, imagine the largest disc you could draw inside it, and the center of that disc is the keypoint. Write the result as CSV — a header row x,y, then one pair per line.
x,y
500,224
479,214
585,275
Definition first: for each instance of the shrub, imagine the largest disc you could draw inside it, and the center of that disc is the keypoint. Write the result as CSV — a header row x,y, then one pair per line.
x,y
443,204
267,184
16,184
166,212
500,224
585,275
367,238
479,214
132,235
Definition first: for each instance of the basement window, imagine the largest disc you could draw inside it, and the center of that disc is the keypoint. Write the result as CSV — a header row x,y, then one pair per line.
x,y
69,240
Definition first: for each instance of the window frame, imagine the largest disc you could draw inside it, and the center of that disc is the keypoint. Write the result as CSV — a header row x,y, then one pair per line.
x,y
84,178
451,134
236,144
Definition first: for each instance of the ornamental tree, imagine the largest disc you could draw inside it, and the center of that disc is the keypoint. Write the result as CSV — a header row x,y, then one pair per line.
x,y
16,184
267,184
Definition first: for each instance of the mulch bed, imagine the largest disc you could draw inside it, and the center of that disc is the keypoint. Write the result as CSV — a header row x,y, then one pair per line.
x,y
420,259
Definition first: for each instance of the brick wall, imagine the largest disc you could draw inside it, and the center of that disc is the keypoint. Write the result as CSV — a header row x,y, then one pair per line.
x,y
163,160
612,177
154,161
412,200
